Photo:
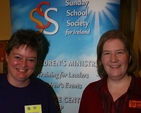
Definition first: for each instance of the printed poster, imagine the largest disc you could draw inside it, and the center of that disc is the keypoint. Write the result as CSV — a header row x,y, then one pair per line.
x,y
73,28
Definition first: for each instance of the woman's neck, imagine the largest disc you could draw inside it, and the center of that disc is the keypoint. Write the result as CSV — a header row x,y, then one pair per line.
x,y
118,87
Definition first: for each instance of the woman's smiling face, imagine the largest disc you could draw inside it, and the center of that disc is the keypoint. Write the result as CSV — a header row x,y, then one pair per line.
x,y
21,64
115,58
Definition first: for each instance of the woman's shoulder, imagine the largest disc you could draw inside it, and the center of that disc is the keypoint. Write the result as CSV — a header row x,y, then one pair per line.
x,y
138,81
93,85
37,81
2,77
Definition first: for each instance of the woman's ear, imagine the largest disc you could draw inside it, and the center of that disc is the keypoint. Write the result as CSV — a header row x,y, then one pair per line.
x,y
130,58
6,57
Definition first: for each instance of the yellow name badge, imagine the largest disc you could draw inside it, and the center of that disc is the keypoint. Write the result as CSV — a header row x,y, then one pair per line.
x,y
33,109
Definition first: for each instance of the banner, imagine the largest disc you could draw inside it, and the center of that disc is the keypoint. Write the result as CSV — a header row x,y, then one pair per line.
x,y
73,28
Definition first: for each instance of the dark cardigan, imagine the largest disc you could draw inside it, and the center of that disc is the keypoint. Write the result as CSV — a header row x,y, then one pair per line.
x,y
90,102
